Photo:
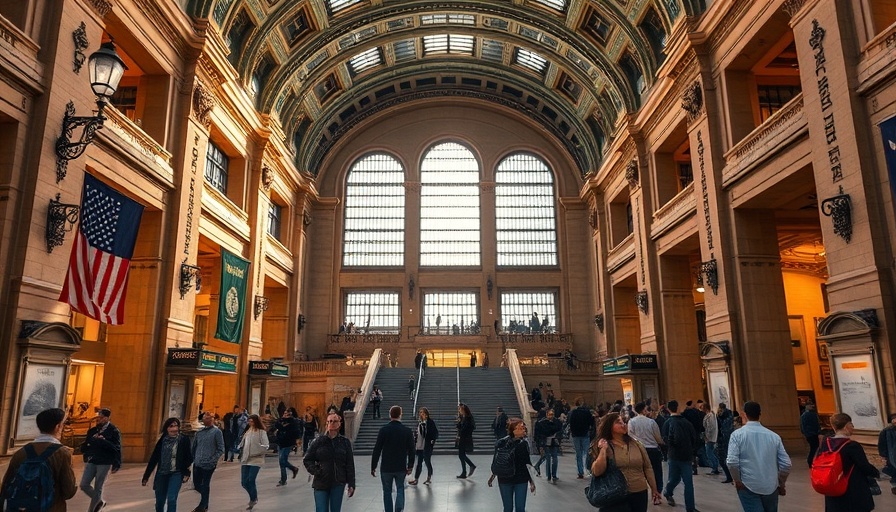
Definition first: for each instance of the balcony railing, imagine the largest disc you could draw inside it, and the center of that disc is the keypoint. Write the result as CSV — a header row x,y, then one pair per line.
x,y
154,155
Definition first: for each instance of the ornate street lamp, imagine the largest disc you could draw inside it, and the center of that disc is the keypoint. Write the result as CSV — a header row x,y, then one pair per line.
x,y
106,69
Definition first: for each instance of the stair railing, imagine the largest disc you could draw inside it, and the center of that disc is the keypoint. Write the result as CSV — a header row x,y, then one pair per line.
x,y
354,416
419,383
457,370
519,387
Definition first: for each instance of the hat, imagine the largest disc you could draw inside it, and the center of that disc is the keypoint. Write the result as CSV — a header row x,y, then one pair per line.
x,y
105,411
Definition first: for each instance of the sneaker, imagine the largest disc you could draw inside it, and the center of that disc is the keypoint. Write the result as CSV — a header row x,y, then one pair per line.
x,y
472,469
556,480
99,506
295,471
251,504
669,499
461,476
580,477
281,483
728,481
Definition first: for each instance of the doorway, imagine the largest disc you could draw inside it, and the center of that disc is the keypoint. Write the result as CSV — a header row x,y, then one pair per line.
x,y
451,358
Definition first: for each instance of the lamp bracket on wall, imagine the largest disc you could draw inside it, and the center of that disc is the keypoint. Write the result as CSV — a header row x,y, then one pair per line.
x,y
711,270
838,207
641,301
599,321
261,305
187,274
61,218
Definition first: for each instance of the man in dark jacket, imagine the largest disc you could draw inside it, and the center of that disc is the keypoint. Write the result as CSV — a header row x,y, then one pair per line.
x,y
581,422
694,415
396,444
681,441
547,438
499,424
287,431
810,427
102,454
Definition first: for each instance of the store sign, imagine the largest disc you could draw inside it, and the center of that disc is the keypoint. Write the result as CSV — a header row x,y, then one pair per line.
x,y
202,360
627,363
268,368
183,357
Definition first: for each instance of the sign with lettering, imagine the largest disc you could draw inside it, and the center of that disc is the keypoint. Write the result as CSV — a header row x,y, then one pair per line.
x,y
268,368
627,363
232,307
202,359
183,357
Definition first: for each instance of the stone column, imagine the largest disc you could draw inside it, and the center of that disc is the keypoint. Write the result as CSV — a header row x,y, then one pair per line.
x,y
679,353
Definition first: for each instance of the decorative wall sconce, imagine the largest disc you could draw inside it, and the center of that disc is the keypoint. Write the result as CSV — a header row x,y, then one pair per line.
x,y
261,305
599,321
187,274
489,287
300,323
267,178
711,270
700,288
411,286
641,301
106,69
631,173
839,208
61,218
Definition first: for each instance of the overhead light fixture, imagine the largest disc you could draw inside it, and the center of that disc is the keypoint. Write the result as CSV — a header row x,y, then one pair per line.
x,y
700,288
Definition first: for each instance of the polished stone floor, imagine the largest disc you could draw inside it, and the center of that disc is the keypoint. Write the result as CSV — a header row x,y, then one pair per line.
x,y
446,494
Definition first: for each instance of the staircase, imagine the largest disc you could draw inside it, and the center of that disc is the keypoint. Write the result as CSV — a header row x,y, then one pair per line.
x,y
482,390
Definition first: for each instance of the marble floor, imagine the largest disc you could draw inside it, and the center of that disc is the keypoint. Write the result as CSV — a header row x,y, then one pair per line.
x,y
446,494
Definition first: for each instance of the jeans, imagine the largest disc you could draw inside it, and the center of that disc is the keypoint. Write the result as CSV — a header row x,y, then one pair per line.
x,y
550,453
91,472
166,487
388,479
581,444
711,459
231,449
656,460
464,460
284,462
680,471
376,409
202,480
247,480
329,500
423,456
813,447
752,502
511,493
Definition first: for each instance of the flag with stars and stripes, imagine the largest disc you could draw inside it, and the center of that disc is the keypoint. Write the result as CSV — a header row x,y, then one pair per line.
x,y
97,277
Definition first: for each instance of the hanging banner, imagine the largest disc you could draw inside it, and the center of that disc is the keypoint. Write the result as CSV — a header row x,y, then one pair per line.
x,y
888,132
232,299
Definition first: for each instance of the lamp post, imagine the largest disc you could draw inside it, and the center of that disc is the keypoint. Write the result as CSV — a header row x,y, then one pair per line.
x,y
106,69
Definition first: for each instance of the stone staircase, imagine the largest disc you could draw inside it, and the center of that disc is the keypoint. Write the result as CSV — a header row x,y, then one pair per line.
x,y
482,390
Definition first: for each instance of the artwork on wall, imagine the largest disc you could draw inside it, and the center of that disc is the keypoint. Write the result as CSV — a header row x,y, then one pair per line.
x,y
857,389
177,403
719,388
41,389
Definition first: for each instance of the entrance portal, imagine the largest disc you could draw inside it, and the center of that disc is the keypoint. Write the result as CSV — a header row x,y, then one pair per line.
x,y
450,358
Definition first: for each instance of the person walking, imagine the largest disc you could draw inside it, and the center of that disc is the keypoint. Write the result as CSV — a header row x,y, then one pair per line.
x,y
253,447
425,437
207,447
376,398
412,386
758,463
485,360
171,459
513,488
102,455
886,448
680,437
309,430
581,422
710,437
548,431
810,427
330,461
464,440
235,424
499,424
643,428
613,441
287,431
395,442
858,496
726,427
59,458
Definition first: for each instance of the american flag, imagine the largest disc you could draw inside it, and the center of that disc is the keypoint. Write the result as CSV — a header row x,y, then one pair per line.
x,y
97,277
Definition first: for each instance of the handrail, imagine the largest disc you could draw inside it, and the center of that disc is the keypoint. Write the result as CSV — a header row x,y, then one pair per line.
x,y
457,370
519,387
419,383
353,417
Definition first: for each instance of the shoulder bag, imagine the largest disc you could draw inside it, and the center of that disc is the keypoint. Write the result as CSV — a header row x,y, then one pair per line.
x,y
610,487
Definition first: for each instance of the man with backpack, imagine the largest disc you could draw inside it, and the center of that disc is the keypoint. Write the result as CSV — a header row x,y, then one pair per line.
x,y
102,454
40,475
758,463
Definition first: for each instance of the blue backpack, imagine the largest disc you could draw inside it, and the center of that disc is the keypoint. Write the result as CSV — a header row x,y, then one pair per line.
x,y
31,488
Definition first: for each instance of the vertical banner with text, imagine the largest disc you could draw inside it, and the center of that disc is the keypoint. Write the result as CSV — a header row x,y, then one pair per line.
x,y
232,306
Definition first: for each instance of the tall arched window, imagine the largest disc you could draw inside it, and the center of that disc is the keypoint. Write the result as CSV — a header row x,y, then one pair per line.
x,y
449,207
374,213
525,212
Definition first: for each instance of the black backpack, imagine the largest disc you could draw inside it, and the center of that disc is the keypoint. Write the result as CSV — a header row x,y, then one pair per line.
x,y
32,486
504,461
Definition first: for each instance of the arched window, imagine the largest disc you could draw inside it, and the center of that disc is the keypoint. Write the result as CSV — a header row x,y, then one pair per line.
x,y
525,212
374,213
449,207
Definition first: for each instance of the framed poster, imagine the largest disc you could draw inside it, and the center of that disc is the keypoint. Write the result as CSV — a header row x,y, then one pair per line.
x,y
857,388
719,387
177,403
255,399
41,390
797,339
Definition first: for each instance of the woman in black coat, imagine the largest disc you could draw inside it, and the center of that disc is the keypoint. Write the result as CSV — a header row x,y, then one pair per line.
x,y
858,496
424,440
174,447
464,440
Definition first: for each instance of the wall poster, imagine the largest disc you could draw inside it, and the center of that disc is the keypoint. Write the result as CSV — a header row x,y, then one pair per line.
x,y
719,388
41,389
255,399
857,388
177,393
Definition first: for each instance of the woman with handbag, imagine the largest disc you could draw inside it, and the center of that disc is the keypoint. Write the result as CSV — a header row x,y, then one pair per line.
x,y
464,440
425,440
253,447
515,475
617,453
858,496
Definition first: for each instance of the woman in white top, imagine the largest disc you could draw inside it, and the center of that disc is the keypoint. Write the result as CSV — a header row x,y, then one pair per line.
x,y
253,447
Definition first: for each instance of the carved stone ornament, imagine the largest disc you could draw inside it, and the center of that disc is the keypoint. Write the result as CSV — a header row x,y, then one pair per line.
x,y
102,7
692,100
203,103
839,208
631,173
79,36
592,218
711,270
791,7
306,218
267,178
641,301
599,321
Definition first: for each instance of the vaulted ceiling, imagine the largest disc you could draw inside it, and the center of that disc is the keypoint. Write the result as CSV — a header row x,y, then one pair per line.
x,y
323,66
